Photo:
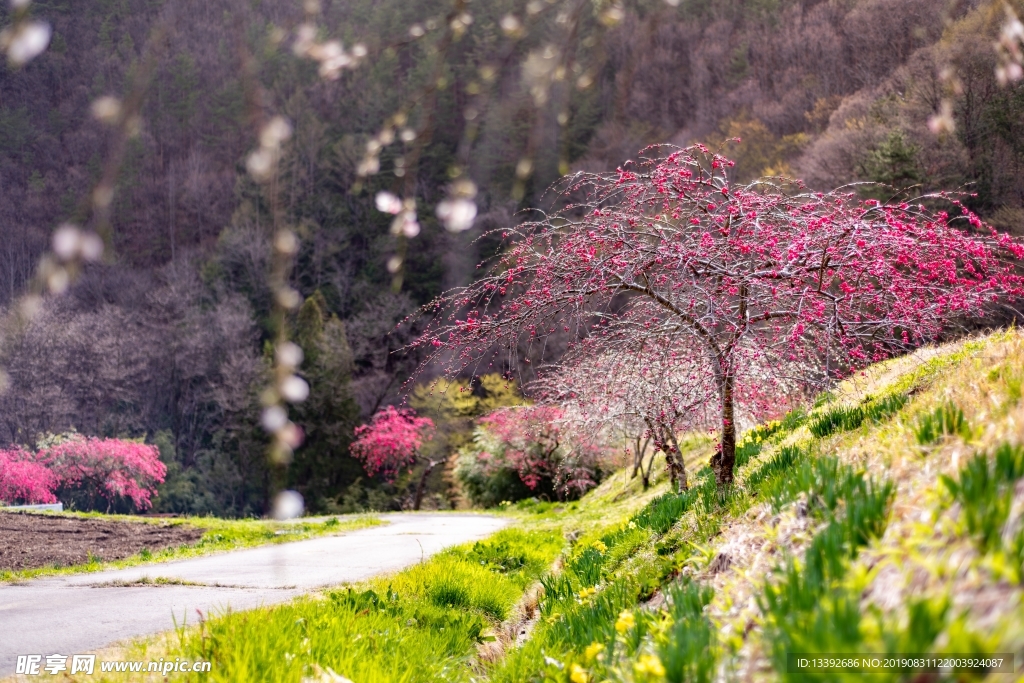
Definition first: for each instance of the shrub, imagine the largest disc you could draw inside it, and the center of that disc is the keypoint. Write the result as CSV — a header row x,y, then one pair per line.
x,y
86,471
90,470
489,483
528,451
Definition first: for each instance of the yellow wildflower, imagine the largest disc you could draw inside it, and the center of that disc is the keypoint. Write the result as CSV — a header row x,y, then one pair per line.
x,y
625,622
599,546
579,674
553,618
592,651
650,665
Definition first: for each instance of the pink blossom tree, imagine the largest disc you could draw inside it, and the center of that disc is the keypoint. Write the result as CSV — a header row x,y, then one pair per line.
x,y
87,468
645,393
757,282
392,442
24,481
105,469
539,443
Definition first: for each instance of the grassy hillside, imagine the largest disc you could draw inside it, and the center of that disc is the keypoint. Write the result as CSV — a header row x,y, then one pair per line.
x,y
887,518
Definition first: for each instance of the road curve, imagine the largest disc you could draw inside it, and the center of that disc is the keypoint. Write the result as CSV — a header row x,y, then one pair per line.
x,y
82,613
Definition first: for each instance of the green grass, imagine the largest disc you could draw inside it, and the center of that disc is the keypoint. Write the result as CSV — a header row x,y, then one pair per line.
x,y
846,418
687,649
985,490
804,611
422,624
945,419
590,622
220,535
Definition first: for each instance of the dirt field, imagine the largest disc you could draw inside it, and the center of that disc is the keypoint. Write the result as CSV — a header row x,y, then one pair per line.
x,y
28,541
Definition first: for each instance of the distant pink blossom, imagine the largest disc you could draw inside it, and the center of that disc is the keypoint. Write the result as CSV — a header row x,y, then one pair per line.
x,y
23,481
110,469
391,442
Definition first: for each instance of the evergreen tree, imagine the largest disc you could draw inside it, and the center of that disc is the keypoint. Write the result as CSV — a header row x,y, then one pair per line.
x,y
323,468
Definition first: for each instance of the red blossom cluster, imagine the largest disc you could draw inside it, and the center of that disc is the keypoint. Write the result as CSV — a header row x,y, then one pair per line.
x,y
22,480
107,469
391,442
744,291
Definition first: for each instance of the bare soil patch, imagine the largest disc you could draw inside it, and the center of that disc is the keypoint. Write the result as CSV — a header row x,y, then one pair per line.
x,y
31,541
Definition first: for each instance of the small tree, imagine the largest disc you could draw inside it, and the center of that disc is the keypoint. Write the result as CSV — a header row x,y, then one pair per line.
x,y
95,469
391,443
757,282
646,393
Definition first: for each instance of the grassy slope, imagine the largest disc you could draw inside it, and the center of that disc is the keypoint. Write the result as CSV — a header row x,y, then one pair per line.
x,y
442,619
220,535
842,537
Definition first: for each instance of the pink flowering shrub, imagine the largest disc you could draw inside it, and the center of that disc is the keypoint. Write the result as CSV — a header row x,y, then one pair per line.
x,y
106,469
391,442
539,445
23,481
89,471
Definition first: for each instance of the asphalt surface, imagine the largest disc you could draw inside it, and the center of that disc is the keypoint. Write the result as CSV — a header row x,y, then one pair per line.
x,y
82,613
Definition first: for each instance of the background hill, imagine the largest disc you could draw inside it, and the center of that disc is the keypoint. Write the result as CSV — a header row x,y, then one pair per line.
x,y
166,339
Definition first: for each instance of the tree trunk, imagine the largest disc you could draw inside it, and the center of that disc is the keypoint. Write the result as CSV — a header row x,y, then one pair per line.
x,y
638,463
637,458
724,460
418,500
677,463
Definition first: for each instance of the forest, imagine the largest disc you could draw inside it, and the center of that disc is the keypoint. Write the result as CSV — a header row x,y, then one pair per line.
x,y
397,146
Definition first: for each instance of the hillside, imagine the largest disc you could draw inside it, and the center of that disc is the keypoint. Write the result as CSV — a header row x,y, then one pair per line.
x,y
167,338
885,519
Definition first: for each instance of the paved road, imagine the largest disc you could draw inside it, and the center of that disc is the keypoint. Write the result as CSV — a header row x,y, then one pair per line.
x,y
82,613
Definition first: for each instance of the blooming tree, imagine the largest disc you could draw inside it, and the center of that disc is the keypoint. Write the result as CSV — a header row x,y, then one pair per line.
x,y
539,443
107,469
391,443
86,467
24,481
763,284
646,392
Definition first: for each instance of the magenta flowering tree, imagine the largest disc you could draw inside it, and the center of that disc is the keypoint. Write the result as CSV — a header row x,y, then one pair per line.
x,y
391,443
86,469
105,469
763,284
24,481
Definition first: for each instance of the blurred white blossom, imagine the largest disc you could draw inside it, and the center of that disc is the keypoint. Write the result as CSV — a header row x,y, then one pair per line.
x,y
1010,49
457,214
106,109
25,41
294,389
388,203
288,505
262,161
